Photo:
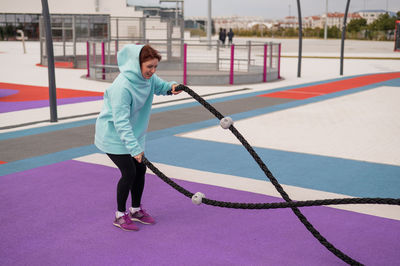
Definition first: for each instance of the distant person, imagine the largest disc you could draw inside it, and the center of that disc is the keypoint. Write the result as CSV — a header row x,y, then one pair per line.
x,y
223,37
220,35
122,124
230,36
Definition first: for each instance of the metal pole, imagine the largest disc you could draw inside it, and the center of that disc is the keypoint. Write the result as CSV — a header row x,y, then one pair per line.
x,y
218,56
209,25
169,38
74,38
116,25
343,36
108,40
248,55
50,62
41,40
185,64
116,51
63,37
279,62
326,21
271,54
176,13
300,40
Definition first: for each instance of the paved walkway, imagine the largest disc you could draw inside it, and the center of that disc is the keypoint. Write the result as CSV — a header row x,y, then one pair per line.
x,y
322,136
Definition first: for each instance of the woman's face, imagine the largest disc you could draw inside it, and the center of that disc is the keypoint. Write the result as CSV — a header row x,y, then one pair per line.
x,y
149,68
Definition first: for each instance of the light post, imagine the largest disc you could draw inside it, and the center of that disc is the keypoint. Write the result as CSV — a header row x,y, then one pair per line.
x,y
50,62
209,25
326,21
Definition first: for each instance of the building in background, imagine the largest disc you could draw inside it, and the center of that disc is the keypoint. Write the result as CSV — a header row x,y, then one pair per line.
x,y
92,19
336,19
372,15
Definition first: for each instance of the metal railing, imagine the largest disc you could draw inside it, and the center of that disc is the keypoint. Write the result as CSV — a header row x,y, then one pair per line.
x,y
183,62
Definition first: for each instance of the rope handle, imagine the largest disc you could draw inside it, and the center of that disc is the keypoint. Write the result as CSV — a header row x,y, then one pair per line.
x,y
288,202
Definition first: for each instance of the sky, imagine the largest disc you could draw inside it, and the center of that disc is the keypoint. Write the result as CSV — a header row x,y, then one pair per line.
x,y
273,9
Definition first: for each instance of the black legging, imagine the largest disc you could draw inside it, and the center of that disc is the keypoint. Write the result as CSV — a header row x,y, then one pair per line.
x,y
132,179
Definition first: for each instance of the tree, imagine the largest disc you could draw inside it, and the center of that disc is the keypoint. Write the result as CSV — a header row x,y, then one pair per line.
x,y
383,23
334,32
356,25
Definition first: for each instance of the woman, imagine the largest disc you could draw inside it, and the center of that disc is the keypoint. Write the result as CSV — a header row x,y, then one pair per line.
x,y
122,124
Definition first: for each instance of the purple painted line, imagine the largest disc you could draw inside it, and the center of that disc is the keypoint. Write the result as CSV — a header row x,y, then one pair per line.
x,y
17,106
185,234
6,92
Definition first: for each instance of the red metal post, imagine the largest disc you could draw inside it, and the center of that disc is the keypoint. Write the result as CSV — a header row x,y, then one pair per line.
x,y
265,63
103,59
232,64
88,59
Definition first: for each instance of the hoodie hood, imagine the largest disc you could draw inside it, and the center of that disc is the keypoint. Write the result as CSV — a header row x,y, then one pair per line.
x,y
129,63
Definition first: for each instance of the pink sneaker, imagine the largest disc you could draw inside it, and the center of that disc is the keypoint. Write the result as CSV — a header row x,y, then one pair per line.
x,y
125,223
142,216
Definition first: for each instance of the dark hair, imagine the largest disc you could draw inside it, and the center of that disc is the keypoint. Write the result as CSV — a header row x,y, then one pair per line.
x,y
148,53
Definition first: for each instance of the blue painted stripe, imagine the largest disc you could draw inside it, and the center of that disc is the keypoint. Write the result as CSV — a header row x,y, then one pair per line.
x,y
349,177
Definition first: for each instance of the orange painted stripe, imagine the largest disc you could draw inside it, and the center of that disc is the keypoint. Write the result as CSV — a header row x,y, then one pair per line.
x,y
291,95
37,93
335,86
60,65
2,162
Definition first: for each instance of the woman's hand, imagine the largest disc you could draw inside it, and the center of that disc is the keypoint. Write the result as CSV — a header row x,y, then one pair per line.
x,y
139,157
173,89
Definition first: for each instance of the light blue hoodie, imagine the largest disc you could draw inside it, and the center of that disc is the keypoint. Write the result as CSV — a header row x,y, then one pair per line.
x,y
122,123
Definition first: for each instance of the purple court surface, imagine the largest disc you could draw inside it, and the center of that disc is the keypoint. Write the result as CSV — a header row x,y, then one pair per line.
x,y
58,209
51,226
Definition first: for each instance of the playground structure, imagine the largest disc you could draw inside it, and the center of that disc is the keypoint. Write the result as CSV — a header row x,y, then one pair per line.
x,y
92,42
71,32
194,63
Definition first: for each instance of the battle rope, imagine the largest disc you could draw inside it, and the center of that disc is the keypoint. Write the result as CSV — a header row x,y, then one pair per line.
x,y
289,203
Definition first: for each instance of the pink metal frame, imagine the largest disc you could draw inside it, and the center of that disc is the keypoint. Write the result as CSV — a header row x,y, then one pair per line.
x,y
232,64
88,59
103,59
265,63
